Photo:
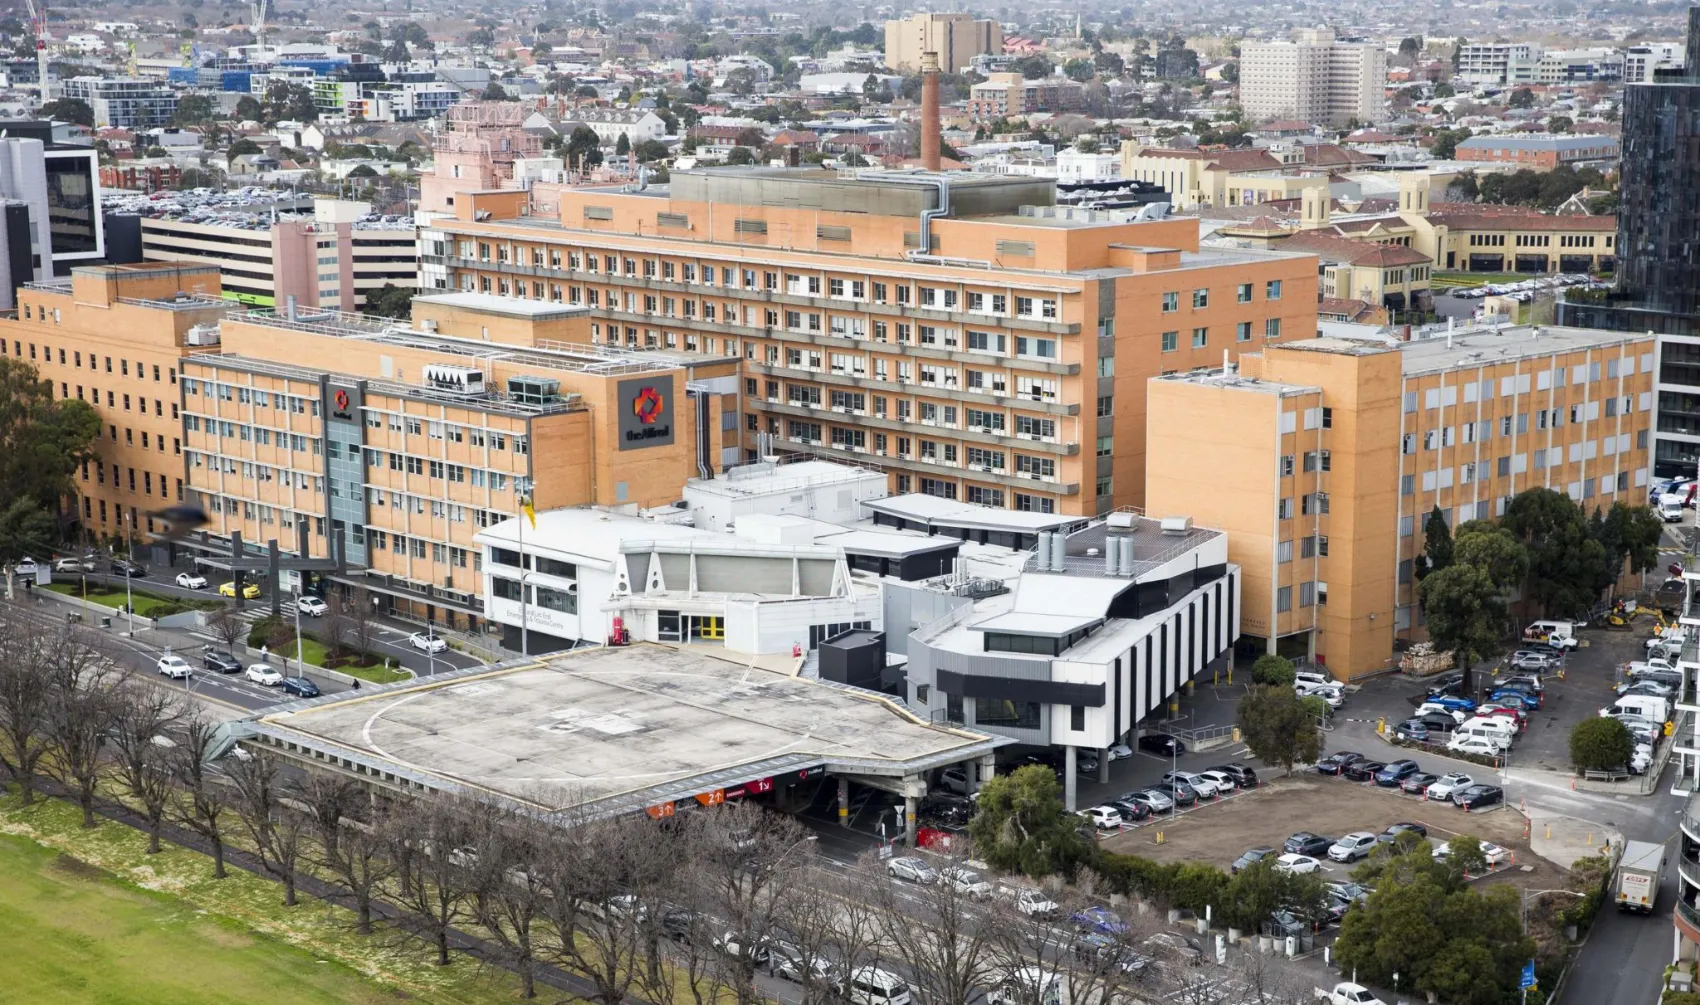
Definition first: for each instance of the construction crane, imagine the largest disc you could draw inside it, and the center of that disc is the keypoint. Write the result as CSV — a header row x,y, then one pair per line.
x,y
257,14
38,24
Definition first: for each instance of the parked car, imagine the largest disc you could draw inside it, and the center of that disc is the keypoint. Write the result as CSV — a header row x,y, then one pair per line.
x,y
1396,772
1362,771
1251,856
1099,919
1223,781
966,882
1242,775
249,590
311,606
1336,762
1449,784
220,662
84,564
1353,846
1418,783
1494,854
1332,694
1650,688
1431,709
1152,799
260,673
1182,793
1478,796
912,870
301,687
1028,901
126,568
427,642
1086,764
1474,745
790,963
190,581
1411,729
681,925
1161,743
174,667
1451,683
1105,818
1526,696
733,945
1204,788
1298,864
1531,681
1393,831
1120,751
1132,810
1527,659
1306,843
1098,948
1452,702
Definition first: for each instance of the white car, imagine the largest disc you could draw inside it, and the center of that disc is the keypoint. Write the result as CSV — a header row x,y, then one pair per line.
x,y
966,882
1329,693
1299,864
73,565
1355,845
1120,751
1430,708
1105,818
174,667
427,643
311,606
261,673
1474,745
25,567
190,581
1223,781
1448,786
912,869
1494,854
1205,788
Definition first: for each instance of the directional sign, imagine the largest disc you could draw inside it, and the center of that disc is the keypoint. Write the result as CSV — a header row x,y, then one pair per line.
x,y
1528,981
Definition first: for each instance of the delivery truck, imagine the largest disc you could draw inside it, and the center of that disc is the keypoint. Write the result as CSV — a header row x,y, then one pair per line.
x,y
1638,874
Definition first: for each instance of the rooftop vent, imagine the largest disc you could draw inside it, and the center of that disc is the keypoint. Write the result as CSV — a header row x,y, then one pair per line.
x,y
454,379
1177,525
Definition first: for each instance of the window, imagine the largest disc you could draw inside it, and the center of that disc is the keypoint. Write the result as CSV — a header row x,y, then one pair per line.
x,y
1272,290
1245,293
1171,341
1077,717
1200,299
1242,332
1283,600
1200,338
1284,551
1272,328
1106,405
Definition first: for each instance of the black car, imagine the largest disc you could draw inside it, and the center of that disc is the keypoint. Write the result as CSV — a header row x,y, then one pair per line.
x,y
1161,743
1242,774
1182,793
1411,729
128,569
1452,683
947,808
301,687
1438,723
222,662
1251,856
1335,763
1394,830
1306,843
1362,771
681,926
1418,783
1478,796
1131,810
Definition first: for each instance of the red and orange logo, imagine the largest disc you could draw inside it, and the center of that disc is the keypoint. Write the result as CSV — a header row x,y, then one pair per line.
x,y
341,399
647,405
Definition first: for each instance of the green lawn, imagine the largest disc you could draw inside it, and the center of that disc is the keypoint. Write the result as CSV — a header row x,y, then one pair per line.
x,y
146,603
85,916
314,653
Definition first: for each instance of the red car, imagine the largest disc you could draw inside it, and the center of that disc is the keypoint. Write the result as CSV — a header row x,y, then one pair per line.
x,y
1521,716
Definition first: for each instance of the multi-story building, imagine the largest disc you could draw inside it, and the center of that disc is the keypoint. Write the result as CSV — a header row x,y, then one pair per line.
x,y
1573,66
956,329
957,38
1007,95
1387,275
331,259
1340,450
1640,62
1314,77
1495,62
123,103
1541,151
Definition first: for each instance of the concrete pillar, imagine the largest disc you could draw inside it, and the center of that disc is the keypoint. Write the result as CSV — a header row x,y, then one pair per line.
x,y
989,768
1104,764
1069,768
909,805
843,802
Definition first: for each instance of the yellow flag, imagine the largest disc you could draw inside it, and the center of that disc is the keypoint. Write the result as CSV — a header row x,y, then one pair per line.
x,y
530,514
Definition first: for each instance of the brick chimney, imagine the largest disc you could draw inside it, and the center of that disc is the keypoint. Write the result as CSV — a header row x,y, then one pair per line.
x,y
930,111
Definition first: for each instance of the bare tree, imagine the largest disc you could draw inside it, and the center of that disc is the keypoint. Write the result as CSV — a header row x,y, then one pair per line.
x,y
605,879
358,607
510,888
23,705
937,931
426,841
358,860
275,827
145,713
205,786
831,928
325,798
81,708
336,628
228,628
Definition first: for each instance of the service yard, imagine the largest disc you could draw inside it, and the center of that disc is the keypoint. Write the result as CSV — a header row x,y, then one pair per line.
x,y
1219,832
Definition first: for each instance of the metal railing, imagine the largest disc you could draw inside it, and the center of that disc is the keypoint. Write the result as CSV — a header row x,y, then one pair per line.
x,y
1689,914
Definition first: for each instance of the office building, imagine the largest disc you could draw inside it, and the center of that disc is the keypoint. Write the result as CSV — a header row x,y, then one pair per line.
x,y
1540,151
1641,62
1576,66
1340,449
123,103
958,330
1495,62
956,38
1315,77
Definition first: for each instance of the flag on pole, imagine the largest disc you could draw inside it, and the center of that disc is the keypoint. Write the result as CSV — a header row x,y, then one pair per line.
x,y
530,514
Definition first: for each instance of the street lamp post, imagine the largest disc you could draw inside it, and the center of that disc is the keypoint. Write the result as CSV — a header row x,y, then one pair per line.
x,y
129,574
300,658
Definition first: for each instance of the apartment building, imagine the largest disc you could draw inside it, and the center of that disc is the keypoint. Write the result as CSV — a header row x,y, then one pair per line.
x,y
1340,449
1495,62
959,330
115,337
408,443
331,259
1313,77
1006,95
1541,151
123,103
1641,61
957,38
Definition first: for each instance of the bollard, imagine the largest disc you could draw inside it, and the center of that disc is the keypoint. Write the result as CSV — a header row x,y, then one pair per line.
x,y
1590,839
1159,837
1549,832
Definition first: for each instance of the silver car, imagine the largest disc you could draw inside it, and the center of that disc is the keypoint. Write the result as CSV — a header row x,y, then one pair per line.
x,y
912,870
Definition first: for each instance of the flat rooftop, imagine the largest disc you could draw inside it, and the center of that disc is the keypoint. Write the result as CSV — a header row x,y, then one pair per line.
x,y
934,511
773,478
1486,346
612,731
513,307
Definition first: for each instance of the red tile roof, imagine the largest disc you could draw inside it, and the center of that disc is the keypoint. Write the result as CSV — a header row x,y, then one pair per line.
x,y
1459,216
1344,249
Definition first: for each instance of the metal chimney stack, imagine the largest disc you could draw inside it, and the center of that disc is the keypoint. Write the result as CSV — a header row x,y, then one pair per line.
x,y
1044,555
930,111
1059,550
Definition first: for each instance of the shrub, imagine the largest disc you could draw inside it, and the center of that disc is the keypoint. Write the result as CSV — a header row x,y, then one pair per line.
x,y
1273,671
1600,744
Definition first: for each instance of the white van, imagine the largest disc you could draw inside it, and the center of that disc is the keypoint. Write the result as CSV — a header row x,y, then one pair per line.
x,y
1670,507
1028,984
1554,633
1647,706
873,986
1491,730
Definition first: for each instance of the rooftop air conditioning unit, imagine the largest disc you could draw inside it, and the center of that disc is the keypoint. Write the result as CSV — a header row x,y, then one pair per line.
x,y
1177,525
1121,521
454,379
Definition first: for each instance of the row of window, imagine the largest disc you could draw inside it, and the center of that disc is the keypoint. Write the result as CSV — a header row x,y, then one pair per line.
x,y
1311,594
458,474
908,410
978,494
1518,425
907,448
546,597
1201,297
1516,464
1310,546
112,401
1523,383
244,395
75,358
1171,341
145,486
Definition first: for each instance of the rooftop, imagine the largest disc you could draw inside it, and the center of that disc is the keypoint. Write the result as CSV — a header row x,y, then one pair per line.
x,y
775,477
490,303
1486,346
615,730
933,510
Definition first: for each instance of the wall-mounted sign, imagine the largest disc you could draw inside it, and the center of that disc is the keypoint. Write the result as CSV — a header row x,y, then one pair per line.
x,y
645,409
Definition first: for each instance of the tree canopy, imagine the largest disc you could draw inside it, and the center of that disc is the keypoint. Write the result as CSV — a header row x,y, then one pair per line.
x,y
1279,727
42,444
1600,743
1022,826
1566,563
73,110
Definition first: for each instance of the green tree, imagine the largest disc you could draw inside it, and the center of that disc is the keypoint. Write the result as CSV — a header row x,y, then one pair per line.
x,y
243,146
1437,544
1445,145
1445,90
192,108
649,151
1466,612
1560,123
1522,97
1600,743
1231,72
739,156
1273,670
42,444
1491,548
481,37
249,109
1565,562
1410,48
1279,727
362,171
493,91
26,530
1080,70
1033,67
870,88
391,301
73,110
1256,892
1022,826
623,145
584,149
1628,534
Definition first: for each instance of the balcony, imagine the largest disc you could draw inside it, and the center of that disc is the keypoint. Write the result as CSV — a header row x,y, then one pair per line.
x,y
1687,919
1690,820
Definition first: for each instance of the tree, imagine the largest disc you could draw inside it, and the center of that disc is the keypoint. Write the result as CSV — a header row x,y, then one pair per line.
x,y
243,146
391,301
649,151
1256,892
1560,123
1565,563
73,110
481,37
1273,670
494,91
740,156
43,442
362,171
584,149
1231,72
1522,97
203,784
192,108
1445,145
145,712
1410,48
26,657
1493,549
1022,825
429,881
1279,727
227,627
1437,546
26,529
1033,67
274,827
623,145
1628,533
82,707
1080,70
1444,90
1466,612
1600,744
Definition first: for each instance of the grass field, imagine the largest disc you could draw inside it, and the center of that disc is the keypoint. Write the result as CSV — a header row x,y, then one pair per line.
x,y
146,603
1459,280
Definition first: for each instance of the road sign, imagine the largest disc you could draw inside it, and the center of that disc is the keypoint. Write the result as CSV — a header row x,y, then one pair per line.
x,y
1528,981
